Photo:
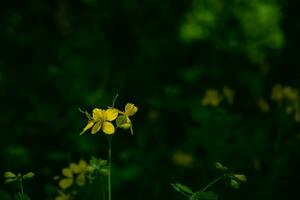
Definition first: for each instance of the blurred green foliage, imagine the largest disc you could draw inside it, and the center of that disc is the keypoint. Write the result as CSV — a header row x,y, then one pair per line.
x,y
58,56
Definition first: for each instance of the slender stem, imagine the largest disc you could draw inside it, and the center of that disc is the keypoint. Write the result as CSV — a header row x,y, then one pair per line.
x,y
114,101
109,167
21,186
212,183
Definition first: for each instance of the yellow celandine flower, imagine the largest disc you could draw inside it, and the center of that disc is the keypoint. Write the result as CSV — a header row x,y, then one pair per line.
x,y
63,196
101,120
212,98
74,170
263,105
123,121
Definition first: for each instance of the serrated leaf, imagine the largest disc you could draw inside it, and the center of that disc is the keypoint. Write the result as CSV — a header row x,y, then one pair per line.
x,y
182,188
204,196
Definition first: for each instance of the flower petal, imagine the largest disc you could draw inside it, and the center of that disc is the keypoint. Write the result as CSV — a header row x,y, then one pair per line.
x,y
130,109
111,114
108,128
65,183
67,172
82,165
96,127
75,168
88,126
80,179
98,114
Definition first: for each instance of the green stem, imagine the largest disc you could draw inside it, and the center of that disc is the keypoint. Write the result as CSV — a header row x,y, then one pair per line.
x,y
109,167
21,186
212,183
114,101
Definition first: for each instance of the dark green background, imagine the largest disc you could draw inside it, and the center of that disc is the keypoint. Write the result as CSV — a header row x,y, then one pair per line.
x,y
57,56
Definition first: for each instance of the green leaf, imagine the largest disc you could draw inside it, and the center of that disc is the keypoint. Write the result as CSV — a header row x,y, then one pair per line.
x,y
123,122
9,175
28,175
10,180
204,196
98,164
182,188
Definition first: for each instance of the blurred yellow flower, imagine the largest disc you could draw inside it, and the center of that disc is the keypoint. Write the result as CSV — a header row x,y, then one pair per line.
x,y
277,94
183,159
290,93
101,120
63,196
263,105
123,121
212,98
77,170
291,99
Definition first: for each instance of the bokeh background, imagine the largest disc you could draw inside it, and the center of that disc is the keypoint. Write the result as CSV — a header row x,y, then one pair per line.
x,y
201,72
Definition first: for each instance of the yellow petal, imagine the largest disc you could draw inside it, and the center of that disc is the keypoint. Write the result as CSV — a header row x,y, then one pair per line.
x,y
111,114
67,172
96,127
130,109
88,126
80,180
108,128
65,183
75,168
98,114
82,165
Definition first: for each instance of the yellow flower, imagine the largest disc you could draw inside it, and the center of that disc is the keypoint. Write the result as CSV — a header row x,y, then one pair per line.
x,y
63,196
211,98
263,105
290,93
183,159
69,173
277,94
123,121
101,120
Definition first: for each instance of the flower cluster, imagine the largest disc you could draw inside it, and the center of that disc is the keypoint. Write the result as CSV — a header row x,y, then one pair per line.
x,y
74,175
213,97
289,98
102,119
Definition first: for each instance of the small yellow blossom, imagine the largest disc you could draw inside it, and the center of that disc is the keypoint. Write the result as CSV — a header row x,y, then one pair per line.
x,y
63,196
212,98
277,94
123,121
183,159
101,120
77,170
263,105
